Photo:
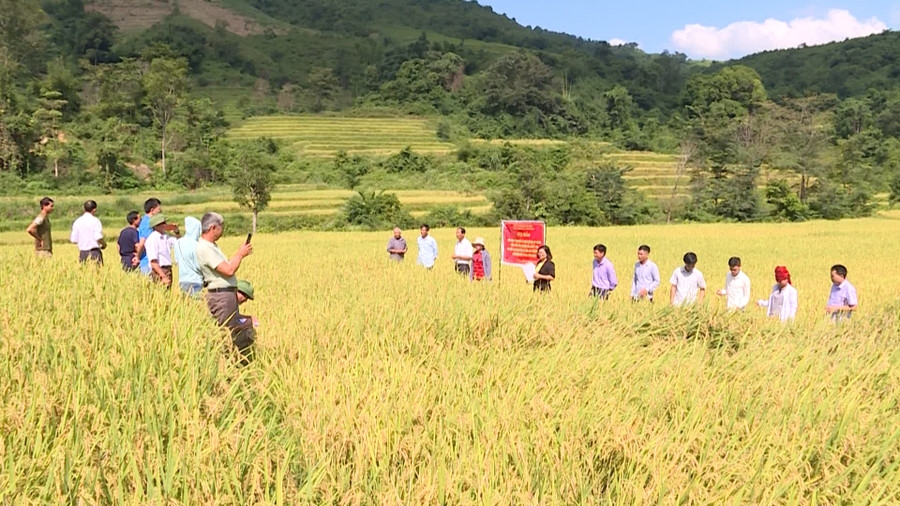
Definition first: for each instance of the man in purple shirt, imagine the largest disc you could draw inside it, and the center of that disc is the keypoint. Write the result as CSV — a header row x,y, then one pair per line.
x,y
842,301
604,277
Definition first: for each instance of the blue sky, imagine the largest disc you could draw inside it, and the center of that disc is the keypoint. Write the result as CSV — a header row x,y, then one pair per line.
x,y
704,28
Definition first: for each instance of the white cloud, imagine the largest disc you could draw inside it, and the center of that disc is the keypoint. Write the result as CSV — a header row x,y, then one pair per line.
x,y
617,42
745,37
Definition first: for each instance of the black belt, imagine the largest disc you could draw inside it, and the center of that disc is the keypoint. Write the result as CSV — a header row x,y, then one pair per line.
x,y
221,290
92,249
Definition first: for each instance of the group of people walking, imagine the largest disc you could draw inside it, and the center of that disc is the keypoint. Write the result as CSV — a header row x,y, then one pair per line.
x,y
687,284
151,245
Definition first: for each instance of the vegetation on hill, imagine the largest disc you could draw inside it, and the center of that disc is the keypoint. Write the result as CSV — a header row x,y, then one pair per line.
x,y
85,106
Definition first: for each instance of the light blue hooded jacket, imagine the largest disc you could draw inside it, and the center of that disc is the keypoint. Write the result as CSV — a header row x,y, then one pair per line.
x,y
186,253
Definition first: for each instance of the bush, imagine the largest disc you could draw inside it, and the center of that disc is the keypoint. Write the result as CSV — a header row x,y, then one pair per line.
x,y
786,204
376,211
407,161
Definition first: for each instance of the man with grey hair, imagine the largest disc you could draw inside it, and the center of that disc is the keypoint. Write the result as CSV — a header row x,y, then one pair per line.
x,y
397,246
218,271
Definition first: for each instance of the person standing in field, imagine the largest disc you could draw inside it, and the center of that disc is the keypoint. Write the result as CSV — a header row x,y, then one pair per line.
x,y
545,270
397,246
842,300
737,286
462,253
646,276
428,248
481,262
190,279
39,228
219,271
603,278
128,242
688,284
152,206
87,234
159,250
782,301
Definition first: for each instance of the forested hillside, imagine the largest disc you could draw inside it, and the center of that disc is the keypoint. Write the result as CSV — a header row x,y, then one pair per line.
x,y
118,94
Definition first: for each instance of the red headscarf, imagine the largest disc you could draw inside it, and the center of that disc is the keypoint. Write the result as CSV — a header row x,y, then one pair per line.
x,y
781,273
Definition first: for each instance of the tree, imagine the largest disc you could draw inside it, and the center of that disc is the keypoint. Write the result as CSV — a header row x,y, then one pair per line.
x,y
324,89
619,106
19,37
48,117
686,150
166,86
253,177
614,199
803,139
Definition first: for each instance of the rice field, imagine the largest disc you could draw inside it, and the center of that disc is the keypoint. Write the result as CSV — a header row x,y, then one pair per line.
x,y
377,383
288,200
323,136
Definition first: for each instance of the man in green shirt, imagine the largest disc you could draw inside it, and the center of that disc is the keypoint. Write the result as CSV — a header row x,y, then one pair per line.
x,y
219,271
40,230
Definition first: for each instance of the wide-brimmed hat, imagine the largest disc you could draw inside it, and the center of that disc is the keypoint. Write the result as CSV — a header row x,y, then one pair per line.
x,y
157,219
478,241
245,288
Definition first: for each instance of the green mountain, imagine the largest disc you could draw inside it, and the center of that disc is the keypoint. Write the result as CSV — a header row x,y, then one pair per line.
x,y
847,69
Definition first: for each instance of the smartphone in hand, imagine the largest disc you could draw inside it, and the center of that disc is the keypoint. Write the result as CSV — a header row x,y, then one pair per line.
x,y
249,236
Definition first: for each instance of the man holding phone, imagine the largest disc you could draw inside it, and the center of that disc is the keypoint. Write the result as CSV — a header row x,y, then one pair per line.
x,y
219,272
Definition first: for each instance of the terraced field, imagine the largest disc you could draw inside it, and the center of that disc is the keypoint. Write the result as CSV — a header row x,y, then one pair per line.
x,y
289,200
323,136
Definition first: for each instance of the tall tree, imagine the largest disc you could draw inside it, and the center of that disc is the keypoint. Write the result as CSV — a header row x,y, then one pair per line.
x,y
253,177
166,86
48,117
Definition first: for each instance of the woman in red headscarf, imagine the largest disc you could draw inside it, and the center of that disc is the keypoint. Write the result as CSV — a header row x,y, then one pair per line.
x,y
783,300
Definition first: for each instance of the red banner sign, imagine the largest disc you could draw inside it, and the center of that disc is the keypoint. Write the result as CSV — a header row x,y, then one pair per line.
x,y
520,240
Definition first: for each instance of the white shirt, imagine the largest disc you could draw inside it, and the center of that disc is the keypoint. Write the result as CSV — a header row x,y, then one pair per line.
x,y
687,285
463,249
788,303
737,290
159,248
87,232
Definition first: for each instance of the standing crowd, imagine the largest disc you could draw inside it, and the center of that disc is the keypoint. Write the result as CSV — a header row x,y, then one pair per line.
x,y
151,246
687,284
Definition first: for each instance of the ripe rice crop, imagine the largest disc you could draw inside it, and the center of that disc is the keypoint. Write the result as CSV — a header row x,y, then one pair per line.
x,y
377,383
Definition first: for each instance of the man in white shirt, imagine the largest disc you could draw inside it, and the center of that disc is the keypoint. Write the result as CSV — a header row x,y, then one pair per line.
x,y
87,234
462,253
688,284
737,286
159,250
428,248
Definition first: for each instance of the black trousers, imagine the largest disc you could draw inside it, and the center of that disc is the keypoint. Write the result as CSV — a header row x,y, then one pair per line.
x,y
463,269
94,255
601,293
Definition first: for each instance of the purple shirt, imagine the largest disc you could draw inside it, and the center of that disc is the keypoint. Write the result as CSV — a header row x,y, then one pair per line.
x,y
604,275
842,295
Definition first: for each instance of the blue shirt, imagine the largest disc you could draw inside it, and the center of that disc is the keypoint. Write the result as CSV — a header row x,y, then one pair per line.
x,y
144,232
646,277
428,251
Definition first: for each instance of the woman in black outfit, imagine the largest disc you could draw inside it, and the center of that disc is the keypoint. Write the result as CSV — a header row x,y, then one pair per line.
x,y
545,271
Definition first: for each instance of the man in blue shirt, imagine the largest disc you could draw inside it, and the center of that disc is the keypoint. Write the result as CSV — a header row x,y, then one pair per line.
x,y
151,207
428,248
646,276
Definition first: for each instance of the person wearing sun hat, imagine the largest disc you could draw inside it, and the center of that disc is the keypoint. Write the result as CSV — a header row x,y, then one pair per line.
x,y
782,302
159,249
244,291
481,262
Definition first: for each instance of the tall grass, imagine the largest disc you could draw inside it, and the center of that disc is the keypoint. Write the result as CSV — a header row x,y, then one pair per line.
x,y
385,384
